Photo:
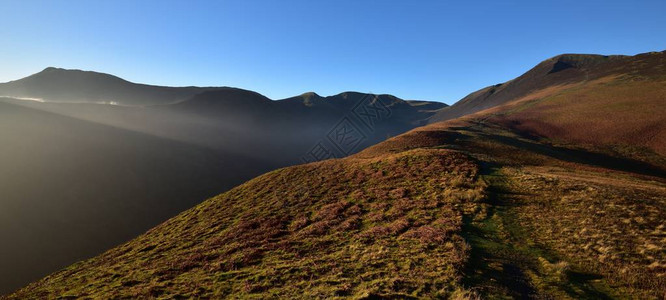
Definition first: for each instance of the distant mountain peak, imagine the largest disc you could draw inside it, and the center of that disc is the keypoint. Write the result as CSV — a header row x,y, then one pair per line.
x,y
566,61
71,71
310,94
77,86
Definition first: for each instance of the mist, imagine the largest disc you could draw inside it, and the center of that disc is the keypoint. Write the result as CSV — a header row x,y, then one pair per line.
x,y
80,175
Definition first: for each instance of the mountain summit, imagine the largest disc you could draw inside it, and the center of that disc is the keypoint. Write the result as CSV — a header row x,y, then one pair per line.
x,y
76,86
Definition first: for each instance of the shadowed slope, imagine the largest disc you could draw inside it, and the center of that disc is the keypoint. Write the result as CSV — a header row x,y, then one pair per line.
x,y
295,125
71,188
61,154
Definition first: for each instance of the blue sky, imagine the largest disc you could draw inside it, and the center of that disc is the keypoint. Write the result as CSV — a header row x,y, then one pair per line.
x,y
434,50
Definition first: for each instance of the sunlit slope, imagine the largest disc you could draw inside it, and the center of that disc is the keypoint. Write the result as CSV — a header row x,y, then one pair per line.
x,y
387,225
604,100
559,220
616,111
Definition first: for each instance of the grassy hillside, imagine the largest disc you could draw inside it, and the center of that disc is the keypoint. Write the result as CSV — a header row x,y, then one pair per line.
x,y
610,101
453,209
557,74
556,193
560,220
343,227
621,112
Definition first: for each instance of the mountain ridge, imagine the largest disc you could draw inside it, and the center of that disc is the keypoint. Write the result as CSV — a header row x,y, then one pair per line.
x,y
81,80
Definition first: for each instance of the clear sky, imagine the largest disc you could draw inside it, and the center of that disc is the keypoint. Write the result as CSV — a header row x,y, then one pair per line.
x,y
434,50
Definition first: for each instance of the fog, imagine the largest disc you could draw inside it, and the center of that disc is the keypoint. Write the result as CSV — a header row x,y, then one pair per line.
x,y
79,178
70,188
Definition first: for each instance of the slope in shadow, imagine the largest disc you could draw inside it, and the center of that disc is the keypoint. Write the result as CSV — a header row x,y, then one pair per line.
x,y
72,188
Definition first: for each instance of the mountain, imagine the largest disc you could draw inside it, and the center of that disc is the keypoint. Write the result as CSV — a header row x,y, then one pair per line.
x,y
62,85
79,177
484,205
568,92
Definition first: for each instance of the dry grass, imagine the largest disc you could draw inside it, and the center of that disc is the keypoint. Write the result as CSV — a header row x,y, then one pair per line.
x,y
608,111
356,227
616,230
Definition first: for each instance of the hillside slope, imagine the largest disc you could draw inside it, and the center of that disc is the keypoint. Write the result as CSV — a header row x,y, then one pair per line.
x,y
618,99
478,205
573,91
559,220
78,178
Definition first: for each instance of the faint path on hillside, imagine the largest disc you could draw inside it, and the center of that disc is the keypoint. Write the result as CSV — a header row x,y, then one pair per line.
x,y
596,178
505,262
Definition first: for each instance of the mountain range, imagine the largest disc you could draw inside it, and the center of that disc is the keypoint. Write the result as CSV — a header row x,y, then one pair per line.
x,y
551,185
94,160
